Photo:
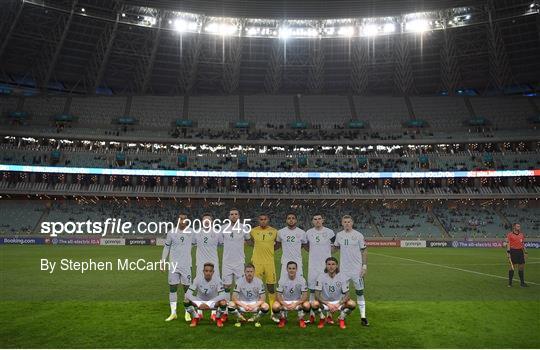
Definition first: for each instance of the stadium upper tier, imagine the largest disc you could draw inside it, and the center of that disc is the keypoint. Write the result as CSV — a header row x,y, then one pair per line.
x,y
395,219
315,118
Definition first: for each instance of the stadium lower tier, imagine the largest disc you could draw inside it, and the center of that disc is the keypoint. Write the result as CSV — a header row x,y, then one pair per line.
x,y
427,219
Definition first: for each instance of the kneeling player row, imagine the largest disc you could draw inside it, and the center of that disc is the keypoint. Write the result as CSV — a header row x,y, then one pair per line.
x,y
331,296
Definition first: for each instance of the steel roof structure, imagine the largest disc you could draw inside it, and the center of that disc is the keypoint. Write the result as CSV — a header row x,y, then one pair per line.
x,y
56,45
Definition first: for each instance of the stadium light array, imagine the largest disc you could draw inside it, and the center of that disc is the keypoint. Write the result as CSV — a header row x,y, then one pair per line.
x,y
417,26
389,28
186,22
534,7
370,30
221,28
148,21
284,33
346,31
181,26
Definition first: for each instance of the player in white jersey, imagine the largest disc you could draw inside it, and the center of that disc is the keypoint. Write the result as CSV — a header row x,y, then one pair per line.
x,y
290,240
353,255
207,241
206,293
177,249
249,296
331,294
291,295
233,239
319,245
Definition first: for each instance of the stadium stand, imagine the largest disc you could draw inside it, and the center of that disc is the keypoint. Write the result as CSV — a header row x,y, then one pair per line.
x,y
528,216
269,111
20,216
41,108
441,113
471,222
504,112
382,113
325,111
97,110
209,158
157,111
214,112
409,221
406,223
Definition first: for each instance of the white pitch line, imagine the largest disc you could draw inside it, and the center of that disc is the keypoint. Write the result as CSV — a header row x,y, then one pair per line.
x,y
447,267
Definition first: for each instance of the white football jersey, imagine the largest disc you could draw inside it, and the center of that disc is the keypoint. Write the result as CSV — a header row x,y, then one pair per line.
x,y
207,243
292,290
320,243
207,290
332,289
249,291
291,244
180,243
350,245
233,244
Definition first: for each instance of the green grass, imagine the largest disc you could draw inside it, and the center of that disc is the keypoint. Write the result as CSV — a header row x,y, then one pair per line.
x,y
409,304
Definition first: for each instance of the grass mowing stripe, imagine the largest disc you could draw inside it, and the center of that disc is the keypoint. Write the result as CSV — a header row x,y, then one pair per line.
x,y
447,267
450,324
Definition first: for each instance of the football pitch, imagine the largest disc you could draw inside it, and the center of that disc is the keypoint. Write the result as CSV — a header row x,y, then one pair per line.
x,y
430,297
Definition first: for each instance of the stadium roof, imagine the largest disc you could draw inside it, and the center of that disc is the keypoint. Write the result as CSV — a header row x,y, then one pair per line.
x,y
128,47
